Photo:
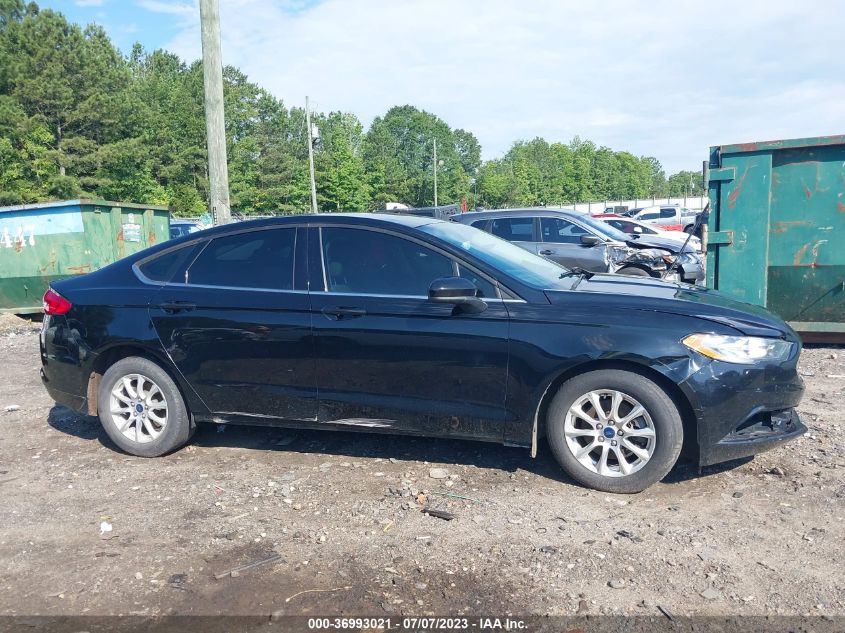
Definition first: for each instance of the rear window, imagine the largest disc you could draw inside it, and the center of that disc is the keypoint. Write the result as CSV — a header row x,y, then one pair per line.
x,y
170,265
256,259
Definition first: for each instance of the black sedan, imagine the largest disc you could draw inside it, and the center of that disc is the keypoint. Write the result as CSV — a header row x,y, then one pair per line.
x,y
418,326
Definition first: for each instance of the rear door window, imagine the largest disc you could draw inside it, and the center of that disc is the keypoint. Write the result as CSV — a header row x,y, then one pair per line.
x,y
255,259
513,229
170,265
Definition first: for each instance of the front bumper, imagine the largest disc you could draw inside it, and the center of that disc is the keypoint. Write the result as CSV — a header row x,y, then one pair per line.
x,y
743,410
692,273
758,434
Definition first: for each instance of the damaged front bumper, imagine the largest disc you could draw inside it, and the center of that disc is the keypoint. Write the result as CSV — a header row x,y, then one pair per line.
x,y
743,410
644,258
760,432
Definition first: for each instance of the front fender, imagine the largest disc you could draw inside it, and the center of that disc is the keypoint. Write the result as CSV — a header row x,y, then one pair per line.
x,y
546,350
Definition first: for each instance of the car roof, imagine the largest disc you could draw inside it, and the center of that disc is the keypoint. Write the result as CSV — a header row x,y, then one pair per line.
x,y
499,213
363,219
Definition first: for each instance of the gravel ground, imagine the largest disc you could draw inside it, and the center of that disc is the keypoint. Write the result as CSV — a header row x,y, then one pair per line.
x,y
89,530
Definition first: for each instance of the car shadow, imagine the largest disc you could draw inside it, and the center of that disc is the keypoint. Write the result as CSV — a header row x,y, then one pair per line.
x,y
352,445
79,425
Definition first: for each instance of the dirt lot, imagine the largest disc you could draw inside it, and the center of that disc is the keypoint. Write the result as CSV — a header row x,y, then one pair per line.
x,y
762,537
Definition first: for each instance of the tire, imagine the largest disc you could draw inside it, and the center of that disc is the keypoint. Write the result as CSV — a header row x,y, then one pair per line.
x,y
633,271
163,401
660,417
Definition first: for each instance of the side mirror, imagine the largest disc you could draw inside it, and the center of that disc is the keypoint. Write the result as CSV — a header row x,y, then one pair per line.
x,y
589,240
457,291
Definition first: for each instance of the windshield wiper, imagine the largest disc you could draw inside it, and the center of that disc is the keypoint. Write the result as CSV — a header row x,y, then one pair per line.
x,y
581,273
577,270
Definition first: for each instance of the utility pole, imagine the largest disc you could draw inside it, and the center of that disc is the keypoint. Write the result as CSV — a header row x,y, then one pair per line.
x,y
215,127
311,157
435,173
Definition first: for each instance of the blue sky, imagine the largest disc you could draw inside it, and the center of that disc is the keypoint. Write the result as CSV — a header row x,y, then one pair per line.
x,y
666,78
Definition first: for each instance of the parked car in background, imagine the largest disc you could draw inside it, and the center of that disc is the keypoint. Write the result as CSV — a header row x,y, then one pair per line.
x,y
180,228
634,227
669,217
413,325
619,208
441,212
573,240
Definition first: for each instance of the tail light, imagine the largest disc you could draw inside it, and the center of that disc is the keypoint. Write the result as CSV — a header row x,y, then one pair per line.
x,y
54,303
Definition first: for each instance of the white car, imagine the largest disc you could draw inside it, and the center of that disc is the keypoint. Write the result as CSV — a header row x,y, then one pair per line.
x,y
634,227
675,216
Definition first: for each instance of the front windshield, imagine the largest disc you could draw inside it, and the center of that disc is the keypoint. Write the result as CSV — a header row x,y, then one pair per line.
x,y
512,260
604,228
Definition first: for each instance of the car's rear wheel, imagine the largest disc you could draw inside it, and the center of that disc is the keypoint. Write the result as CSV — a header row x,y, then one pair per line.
x,y
614,430
141,408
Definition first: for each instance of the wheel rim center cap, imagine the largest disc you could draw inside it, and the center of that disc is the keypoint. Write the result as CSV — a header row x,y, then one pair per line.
x,y
609,432
140,408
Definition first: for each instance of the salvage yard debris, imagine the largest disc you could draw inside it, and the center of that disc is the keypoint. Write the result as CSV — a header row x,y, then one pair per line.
x,y
440,514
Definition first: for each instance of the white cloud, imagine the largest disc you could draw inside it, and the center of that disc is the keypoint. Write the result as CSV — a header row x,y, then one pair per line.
x,y
185,9
89,3
661,78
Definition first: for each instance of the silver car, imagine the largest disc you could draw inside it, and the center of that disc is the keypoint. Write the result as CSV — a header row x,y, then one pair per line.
x,y
574,240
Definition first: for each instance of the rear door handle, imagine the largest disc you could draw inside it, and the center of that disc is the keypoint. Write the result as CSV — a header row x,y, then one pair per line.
x,y
172,307
547,252
338,313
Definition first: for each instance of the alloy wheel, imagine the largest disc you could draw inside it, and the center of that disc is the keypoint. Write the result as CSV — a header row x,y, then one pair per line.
x,y
610,433
138,408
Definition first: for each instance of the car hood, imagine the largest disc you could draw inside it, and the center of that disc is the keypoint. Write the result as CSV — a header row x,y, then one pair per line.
x,y
656,241
648,294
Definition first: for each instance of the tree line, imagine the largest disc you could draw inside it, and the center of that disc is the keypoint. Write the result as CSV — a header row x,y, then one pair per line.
x,y
78,118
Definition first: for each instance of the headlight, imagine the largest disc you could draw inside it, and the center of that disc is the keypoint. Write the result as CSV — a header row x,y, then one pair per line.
x,y
738,349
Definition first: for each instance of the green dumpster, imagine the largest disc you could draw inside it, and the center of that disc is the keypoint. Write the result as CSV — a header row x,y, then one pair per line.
x,y
53,240
777,229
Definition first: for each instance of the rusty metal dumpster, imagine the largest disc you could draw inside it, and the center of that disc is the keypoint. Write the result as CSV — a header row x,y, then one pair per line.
x,y
52,240
777,229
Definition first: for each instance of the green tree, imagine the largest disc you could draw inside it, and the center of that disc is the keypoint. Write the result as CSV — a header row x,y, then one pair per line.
x,y
399,151
341,178
71,80
686,183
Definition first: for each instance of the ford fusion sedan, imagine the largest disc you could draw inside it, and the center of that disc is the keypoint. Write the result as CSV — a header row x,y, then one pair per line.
x,y
580,241
418,326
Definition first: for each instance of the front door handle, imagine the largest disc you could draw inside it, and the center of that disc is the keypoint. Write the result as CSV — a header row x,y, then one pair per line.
x,y
338,313
547,252
172,307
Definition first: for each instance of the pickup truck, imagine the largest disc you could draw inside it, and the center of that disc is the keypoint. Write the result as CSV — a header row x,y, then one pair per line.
x,y
668,217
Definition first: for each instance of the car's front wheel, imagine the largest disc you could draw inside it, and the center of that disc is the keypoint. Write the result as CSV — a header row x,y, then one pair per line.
x,y
141,408
614,430
633,271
